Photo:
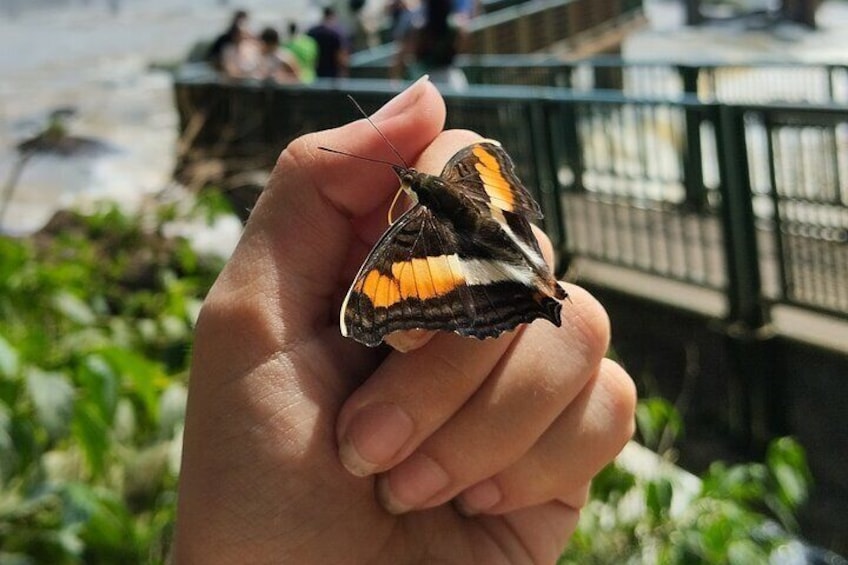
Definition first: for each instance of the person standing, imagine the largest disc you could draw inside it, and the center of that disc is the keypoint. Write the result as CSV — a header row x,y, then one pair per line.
x,y
242,57
332,46
430,46
215,54
305,50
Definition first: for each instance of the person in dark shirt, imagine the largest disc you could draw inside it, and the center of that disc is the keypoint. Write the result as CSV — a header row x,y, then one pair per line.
x,y
332,46
430,45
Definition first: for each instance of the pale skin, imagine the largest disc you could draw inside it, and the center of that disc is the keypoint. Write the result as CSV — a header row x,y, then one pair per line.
x,y
302,446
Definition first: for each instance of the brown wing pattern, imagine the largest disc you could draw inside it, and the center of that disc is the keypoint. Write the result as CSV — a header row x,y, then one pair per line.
x,y
486,173
415,279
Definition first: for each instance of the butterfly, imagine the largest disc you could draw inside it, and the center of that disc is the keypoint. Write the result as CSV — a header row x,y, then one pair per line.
x,y
462,258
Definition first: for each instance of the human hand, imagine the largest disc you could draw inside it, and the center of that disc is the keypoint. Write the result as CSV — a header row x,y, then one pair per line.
x,y
302,446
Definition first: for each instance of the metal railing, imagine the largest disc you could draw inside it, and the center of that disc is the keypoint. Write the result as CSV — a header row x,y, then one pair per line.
x,y
751,201
736,83
798,179
746,83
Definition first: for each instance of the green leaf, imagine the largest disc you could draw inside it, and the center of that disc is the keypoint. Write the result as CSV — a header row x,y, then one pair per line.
x,y
139,374
612,483
26,445
792,484
99,384
103,521
53,399
787,463
91,432
658,498
9,362
658,421
73,308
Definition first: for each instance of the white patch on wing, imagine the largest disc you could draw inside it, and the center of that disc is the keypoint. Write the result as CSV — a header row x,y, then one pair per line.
x,y
528,251
487,271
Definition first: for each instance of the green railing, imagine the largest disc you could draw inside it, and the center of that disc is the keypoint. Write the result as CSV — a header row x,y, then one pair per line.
x,y
710,82
751,201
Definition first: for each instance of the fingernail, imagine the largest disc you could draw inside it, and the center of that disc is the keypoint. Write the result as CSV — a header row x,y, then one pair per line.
x,y
400,103
479,498
412,483
373,437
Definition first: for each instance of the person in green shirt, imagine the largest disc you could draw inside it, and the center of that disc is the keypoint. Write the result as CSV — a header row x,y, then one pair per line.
x,y
305,50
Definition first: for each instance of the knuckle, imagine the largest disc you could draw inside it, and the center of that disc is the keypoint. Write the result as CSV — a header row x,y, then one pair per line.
x,y
621,402
591,323
298,151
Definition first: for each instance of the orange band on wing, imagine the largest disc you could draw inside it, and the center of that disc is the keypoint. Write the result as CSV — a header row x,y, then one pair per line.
x,y
496,186
422,278
380,289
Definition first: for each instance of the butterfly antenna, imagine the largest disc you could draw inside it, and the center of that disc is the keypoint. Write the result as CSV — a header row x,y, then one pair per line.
x,y
386,139
346,154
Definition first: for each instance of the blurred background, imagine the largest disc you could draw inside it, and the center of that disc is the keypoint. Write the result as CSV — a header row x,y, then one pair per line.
x,y
691,158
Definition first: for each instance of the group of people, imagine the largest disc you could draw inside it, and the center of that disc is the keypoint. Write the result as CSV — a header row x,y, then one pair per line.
x,y
240,53
429,35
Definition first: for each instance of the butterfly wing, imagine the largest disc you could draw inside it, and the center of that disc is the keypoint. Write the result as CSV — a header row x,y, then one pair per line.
x,y
486,173
416,278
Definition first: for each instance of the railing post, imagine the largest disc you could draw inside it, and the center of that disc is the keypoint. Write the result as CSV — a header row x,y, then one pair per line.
x,y
563,150
737,213
571,146
693,167
754,370
545,148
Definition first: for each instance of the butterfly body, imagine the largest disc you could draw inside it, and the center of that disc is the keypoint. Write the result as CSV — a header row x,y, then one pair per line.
x,y
463,258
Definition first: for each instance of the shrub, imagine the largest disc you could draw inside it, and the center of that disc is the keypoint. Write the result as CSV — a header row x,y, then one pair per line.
x,y
96,319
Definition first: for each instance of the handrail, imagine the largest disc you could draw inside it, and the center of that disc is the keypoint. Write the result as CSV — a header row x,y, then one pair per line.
x,y
709,80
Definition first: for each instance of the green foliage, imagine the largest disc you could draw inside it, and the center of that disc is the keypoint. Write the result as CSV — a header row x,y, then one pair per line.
x,y
96,317
731,515
659,424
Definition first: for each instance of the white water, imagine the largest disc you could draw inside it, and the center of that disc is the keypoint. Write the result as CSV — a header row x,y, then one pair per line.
x,y
78,54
